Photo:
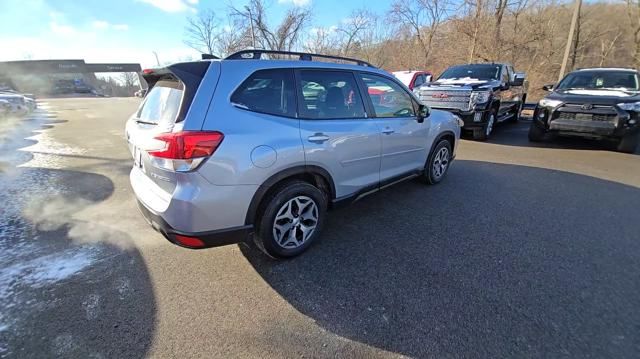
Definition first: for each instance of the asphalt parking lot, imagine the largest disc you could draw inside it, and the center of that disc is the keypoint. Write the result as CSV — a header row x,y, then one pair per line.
x,y
523,251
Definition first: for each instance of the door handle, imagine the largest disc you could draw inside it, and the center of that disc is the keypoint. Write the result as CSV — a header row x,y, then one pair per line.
x,y
318,138
388,131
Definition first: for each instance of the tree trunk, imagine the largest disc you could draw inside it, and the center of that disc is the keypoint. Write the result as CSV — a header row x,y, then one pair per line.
x,y
476,28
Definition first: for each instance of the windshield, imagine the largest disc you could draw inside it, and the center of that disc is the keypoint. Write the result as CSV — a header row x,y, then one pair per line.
x,y
600,80
478,72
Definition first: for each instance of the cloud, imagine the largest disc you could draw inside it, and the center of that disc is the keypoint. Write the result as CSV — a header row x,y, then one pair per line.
x,y
295,2
99,24
61,29
174,5
105,25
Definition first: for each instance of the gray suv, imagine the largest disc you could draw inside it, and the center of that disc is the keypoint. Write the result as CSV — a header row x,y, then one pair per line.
x,y
262,143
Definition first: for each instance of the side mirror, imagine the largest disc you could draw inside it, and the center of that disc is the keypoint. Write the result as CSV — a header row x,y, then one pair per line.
x,y
548,87
518,79
423,112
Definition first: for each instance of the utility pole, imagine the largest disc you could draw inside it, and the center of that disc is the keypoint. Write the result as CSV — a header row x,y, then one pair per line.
x,y
157,60
572,29
253,36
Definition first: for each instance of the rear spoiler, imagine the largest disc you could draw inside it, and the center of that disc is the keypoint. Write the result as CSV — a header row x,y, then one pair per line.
x,y
190,74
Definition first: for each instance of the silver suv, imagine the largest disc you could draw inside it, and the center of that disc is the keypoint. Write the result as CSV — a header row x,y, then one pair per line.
x,y
262,143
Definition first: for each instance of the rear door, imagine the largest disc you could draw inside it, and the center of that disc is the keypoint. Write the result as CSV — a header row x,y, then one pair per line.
x,y
335,131
404,140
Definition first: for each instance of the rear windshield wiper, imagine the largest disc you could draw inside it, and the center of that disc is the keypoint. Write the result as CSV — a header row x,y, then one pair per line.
x,y
146,122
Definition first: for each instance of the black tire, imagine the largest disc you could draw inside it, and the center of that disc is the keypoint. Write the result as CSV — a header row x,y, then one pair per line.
x,y
484,133
430,175
629,143
264,236
516,117
536,134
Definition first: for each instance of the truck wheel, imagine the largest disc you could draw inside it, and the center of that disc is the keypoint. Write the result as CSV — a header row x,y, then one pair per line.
x,y
629,143
484,133
292,219
438,163
516,116
536,134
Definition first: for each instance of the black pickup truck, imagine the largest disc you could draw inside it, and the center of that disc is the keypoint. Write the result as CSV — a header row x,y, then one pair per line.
x,y
481,94
598,103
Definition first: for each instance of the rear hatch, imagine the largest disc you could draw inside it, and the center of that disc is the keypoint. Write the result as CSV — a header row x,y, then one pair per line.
x,y
152,130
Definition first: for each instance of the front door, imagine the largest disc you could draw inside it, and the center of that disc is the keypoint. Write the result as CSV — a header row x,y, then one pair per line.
x,y
335,131
404,139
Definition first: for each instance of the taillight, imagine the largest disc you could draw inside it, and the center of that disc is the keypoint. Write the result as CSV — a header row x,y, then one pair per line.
x,y
184,151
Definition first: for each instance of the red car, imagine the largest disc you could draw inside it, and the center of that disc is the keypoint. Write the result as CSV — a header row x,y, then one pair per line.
x,y
413,79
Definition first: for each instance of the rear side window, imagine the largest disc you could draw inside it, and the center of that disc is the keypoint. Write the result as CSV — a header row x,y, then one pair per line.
x,y
162,103
267,91
329,95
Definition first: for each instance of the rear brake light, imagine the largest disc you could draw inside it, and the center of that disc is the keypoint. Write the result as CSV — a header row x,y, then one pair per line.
x,y
147,71
184,151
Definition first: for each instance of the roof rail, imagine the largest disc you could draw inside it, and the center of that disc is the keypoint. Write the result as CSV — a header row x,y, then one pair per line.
x,y
302,56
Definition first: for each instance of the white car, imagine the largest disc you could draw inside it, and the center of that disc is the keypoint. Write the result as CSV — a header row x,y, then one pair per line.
x,y
18,104
5,108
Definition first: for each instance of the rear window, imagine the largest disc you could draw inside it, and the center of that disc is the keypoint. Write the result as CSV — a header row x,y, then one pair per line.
x,y
162,103
267,91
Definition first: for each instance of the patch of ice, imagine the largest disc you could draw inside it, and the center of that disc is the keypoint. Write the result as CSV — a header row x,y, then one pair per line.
x,y
44,270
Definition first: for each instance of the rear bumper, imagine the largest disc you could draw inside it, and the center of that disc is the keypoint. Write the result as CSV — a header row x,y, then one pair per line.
x,y
210,239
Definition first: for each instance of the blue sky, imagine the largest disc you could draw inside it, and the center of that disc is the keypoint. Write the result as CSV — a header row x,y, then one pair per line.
x,y
129,30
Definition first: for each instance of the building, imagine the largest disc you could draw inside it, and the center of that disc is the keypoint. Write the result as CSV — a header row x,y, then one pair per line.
x,y
46,77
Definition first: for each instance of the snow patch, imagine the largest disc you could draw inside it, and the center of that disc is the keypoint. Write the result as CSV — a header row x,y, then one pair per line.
x,y
461,81
599,93
44,270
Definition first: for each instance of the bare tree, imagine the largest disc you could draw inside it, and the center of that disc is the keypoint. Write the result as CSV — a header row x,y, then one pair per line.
x,y
423,17
478,6
353,27
501,7
285,36
202,32
606,47
129,79
633,12
322,40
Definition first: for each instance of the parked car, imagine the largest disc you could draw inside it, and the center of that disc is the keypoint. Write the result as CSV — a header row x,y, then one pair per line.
x,y
5,108
18,103
598,103
481,94
413,79
244,146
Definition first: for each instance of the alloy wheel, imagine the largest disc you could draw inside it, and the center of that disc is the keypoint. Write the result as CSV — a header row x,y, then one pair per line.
x,y
440,163
295,222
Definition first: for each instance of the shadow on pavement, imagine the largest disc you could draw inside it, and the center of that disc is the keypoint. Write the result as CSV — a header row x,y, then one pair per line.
x,y
68,287
496,261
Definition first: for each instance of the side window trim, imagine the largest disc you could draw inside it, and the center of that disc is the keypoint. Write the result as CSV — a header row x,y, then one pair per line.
x,y
370,108
297,75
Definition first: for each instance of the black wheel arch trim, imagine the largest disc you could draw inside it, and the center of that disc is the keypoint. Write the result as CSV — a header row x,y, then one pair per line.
x,y
283,175
438,138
